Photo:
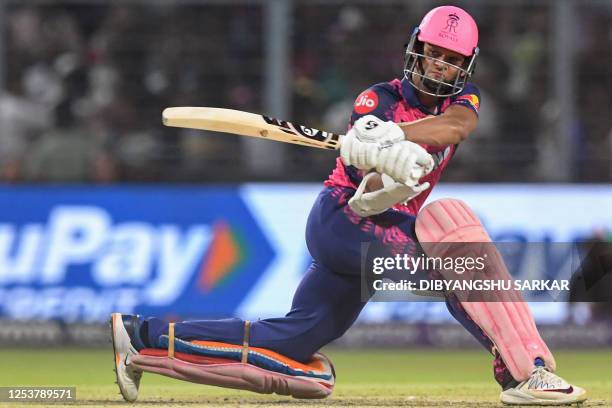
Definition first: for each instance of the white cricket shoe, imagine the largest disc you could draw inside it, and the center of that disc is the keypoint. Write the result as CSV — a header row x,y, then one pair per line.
x,y
543,388
128,378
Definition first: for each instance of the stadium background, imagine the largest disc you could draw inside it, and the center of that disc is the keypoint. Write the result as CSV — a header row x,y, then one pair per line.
x,y
104,209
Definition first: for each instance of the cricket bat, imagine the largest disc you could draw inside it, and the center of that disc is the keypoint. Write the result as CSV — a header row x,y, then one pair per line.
x,y
249,124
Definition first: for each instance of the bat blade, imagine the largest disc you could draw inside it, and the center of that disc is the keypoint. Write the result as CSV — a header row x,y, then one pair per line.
x,y
248,124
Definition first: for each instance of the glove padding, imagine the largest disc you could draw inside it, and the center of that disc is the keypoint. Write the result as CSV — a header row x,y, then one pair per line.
x,y
405,162
361,145
379,201
376,144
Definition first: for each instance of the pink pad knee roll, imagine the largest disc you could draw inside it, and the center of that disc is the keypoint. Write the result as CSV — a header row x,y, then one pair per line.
x,y
506,319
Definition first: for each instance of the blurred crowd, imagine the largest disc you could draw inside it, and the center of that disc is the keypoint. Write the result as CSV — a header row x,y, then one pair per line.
x,y
85,84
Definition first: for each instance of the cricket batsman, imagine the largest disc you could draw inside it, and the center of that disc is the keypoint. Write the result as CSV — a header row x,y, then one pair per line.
x,y
374,195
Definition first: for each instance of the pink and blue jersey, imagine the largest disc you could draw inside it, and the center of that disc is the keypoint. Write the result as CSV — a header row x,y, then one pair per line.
x,y
397,101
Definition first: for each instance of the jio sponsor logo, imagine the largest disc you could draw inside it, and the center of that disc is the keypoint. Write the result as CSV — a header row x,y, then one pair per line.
x,y
366,102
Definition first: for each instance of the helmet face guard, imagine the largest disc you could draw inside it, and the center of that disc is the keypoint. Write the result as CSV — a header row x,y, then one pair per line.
x,y
413,67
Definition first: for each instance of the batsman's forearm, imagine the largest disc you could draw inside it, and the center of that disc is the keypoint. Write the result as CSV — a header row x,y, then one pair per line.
x,y
435,131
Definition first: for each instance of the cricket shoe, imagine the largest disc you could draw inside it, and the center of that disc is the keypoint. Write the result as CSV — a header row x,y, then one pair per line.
x,y
124,329
543,388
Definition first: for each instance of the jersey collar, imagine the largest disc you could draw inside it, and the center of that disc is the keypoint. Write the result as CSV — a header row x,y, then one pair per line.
x,y
409,93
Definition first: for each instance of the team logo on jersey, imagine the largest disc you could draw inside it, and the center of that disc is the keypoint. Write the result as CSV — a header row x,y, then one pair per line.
x,y
472,100
366,102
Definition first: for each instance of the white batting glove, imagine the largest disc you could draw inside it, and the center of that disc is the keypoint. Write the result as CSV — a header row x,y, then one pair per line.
x,y
405,162
362,144
379,201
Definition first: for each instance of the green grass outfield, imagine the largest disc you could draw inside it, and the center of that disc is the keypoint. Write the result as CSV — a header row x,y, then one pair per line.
x,y
365,378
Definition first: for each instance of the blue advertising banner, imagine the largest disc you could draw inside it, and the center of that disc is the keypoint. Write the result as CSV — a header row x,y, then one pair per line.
x,y
79,253
76,254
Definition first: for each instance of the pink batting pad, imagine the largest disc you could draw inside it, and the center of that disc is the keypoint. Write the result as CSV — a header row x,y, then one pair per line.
x,y
233,374
506,319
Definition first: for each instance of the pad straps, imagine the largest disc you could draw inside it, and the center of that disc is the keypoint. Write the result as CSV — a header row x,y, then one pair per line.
x,y
245,342
170,340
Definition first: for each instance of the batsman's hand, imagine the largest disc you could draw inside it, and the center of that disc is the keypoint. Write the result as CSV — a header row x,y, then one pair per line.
x,y
362,144
375,202
405,162
375,144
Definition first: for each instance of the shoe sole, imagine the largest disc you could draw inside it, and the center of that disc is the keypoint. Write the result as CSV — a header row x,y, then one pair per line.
x,y
117,356
513,398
